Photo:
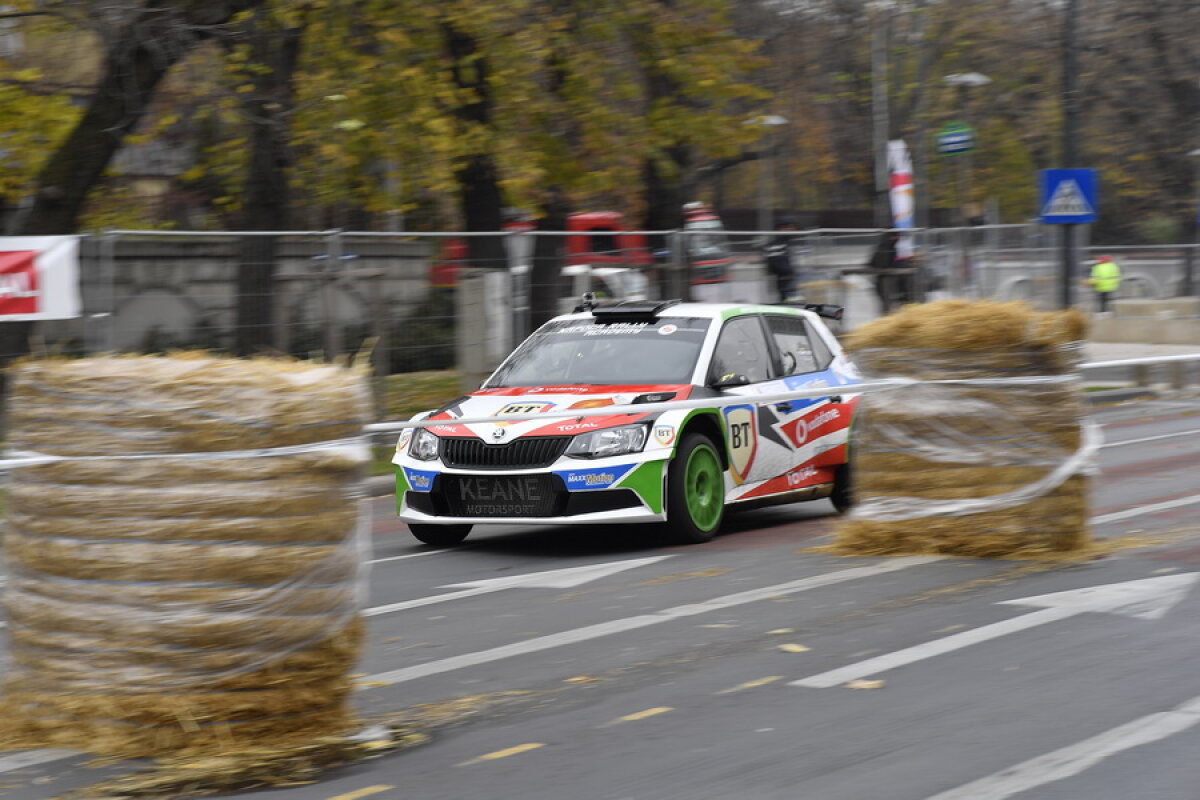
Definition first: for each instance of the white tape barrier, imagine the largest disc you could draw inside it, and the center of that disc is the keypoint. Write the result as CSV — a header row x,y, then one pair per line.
x,y
358,446
1081,462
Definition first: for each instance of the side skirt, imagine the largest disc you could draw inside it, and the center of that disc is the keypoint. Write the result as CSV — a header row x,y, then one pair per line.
x,y
815,492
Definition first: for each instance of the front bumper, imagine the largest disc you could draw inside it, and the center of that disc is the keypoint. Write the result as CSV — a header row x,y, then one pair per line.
x,y
597,494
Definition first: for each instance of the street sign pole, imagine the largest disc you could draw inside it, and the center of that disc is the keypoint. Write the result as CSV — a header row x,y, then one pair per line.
x,y
1070,258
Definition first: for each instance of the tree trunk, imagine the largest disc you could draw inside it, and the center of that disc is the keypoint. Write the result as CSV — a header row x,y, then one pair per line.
x,y
267,198
156,38
548,260
478,177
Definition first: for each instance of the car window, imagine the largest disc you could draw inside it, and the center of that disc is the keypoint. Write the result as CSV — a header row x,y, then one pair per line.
x,y
795,341
821,352
741,350
584,352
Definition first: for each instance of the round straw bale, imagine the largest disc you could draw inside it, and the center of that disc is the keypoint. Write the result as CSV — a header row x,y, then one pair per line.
x,y
246,563
323,527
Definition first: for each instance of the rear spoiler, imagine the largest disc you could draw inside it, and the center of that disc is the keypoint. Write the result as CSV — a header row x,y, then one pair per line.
x,y
820,309
825,310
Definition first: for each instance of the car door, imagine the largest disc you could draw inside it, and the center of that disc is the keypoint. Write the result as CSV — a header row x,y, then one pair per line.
x,y
743,364
814,428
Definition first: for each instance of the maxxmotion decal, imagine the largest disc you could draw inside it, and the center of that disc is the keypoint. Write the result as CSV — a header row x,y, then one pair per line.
x,y
602,478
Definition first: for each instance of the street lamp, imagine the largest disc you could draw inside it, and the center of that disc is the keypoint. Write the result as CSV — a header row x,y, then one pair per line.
x,y
769,122
965,81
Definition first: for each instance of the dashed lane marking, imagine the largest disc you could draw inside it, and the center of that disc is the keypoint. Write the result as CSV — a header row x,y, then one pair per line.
x,y
366,792
511,751
649,712
751,684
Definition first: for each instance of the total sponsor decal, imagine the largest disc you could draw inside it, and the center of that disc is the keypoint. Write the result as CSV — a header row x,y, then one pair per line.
x,y
801,476
664,434
801,428
582,479
419,480
405,436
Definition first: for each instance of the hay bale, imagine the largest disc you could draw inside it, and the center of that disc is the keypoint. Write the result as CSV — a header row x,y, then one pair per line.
x,y
983,459
172,588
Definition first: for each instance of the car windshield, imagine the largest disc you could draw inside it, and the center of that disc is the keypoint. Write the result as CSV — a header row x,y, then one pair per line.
x,y
577,352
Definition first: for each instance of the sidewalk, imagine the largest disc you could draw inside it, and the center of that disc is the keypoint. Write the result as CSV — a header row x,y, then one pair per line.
x,y
1116,351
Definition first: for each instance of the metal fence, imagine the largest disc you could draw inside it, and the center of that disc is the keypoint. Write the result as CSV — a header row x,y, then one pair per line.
x,y
420,303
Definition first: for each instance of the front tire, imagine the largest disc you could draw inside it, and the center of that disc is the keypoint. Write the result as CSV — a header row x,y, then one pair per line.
x,y
439,535
695,491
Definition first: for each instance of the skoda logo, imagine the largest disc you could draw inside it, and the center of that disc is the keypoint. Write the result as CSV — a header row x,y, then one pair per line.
x,y
498,434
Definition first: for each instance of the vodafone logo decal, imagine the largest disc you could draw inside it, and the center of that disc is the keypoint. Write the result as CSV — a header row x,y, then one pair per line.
x,y
804,426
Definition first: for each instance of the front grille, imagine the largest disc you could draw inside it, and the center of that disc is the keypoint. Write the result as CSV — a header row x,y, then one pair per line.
x,y
467,452
499,495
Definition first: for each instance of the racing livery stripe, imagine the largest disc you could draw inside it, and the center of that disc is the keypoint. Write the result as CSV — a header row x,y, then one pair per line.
x,y
401,488
798,478
647,482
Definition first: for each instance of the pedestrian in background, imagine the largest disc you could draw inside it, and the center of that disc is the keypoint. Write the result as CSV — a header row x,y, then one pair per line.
x,y
883,261
1105,280
779,260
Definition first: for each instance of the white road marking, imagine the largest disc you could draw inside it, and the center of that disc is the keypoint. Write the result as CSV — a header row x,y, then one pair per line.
x,y
31,758
633,623
413,555
1150,439
550,579
1075,758
1148,598
1153,508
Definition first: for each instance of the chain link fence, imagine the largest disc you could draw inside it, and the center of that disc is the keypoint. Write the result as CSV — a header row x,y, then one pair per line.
x,y
420,301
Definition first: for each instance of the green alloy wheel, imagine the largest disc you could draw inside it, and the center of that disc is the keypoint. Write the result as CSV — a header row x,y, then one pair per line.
x,y
695,491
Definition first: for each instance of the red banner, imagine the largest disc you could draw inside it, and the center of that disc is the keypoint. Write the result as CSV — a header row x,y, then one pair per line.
x,y
39,277
18,282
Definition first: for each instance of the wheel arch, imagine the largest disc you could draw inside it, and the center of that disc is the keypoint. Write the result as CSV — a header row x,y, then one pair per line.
x,y
708,423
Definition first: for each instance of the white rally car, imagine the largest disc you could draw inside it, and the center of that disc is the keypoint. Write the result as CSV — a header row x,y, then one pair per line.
x,y
679,466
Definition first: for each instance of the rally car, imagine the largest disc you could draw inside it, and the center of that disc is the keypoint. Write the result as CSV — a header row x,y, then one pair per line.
x,y
678,466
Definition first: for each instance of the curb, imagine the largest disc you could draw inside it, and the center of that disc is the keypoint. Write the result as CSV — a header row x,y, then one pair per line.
x,y
379,485
1108,396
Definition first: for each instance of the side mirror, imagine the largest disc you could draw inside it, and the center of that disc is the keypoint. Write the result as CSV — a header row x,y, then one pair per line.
x,y
731,379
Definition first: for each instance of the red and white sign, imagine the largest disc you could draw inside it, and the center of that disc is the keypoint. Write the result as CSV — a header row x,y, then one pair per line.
x,y
39,278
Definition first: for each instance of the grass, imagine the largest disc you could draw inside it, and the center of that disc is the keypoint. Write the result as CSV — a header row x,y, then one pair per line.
x,y
411,392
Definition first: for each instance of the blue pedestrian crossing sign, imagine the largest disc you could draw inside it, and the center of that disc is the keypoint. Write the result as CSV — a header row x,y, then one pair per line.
x,y
1067,196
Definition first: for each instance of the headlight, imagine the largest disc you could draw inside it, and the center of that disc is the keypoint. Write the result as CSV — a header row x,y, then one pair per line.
x,y
610,442
424,445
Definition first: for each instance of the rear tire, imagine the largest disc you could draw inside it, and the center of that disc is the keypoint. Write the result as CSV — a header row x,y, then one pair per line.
x,y
695,491
843,494
439,535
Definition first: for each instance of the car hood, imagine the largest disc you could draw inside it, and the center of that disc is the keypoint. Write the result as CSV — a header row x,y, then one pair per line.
x,y
541,399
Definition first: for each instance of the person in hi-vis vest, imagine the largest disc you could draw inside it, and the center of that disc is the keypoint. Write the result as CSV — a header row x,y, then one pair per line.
x,y
1106,278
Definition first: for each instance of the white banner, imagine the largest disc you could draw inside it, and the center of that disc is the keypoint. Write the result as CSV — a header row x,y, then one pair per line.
x,y
901,194
39,277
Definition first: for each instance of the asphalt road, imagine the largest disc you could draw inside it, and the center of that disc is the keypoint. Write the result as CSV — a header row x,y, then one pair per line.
x,y
754,668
